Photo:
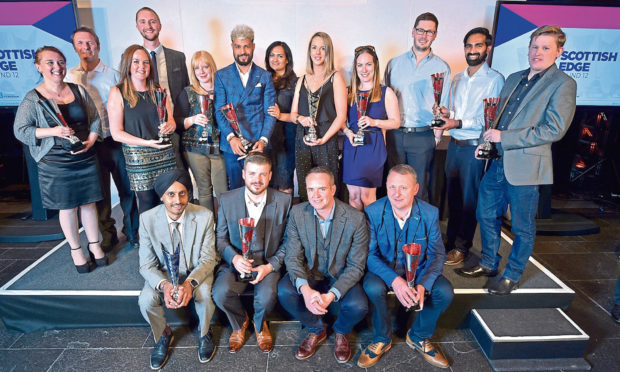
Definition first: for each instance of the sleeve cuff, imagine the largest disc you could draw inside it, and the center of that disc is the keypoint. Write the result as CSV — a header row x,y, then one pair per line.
x,y
452,114
336,293
300,282
264,139
159,288
229,136
467,123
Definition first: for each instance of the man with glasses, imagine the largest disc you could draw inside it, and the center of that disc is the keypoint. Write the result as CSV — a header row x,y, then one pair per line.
x,y
409,75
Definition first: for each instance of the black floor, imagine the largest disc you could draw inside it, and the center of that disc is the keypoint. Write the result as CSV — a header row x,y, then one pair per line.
x,y
588,264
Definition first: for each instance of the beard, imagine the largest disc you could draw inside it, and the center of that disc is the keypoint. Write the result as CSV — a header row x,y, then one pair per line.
x,y
477,61
243,63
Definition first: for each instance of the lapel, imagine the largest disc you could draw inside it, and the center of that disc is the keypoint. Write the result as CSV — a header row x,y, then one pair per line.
x,y
413,223
310,230
252,80
189,234
337,229
540,85
388,226
162,232
269,213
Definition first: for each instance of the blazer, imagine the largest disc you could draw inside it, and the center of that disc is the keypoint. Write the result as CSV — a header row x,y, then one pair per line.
x,y
251,103
422,228
232,208
198,243
176,69
543,117
348,248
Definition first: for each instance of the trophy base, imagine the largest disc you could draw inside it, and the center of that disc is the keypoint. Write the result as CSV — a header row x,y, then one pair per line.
x,y
488,154
358,140
415,307
309,138
437,123
165,140
246,277
77,146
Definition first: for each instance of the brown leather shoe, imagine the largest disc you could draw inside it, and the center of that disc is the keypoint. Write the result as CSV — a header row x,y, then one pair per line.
x,y
309,345
454,257
237,337
371,355
429,352
263,338
342,349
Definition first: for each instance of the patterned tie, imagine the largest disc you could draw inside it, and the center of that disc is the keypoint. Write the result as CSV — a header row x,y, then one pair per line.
x,y
177,246
154,59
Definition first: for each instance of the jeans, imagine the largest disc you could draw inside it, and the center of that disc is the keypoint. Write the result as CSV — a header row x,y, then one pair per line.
x,y
494,196
210,173
234,169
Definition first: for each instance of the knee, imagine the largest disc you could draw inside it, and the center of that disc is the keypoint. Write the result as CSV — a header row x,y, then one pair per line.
x,y
442,293
148,298
285,289
374,288
220,291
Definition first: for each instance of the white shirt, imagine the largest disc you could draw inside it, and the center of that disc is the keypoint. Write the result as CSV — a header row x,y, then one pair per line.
x,y
466,100
401,222
162,71
255,210
244,77
97,83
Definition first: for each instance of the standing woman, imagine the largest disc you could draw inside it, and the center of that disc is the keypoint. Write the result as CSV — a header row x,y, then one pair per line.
x,y
279,62
362,166
322,94
134,122
201,138
68,180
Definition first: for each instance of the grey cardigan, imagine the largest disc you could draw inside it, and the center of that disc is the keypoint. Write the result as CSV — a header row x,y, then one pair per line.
x,y
30,116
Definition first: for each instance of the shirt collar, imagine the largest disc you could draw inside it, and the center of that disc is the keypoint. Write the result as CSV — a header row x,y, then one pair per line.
x,y
538,75
428,57
99,68
262,201
157,50
239,71
483,70
331,214
180,220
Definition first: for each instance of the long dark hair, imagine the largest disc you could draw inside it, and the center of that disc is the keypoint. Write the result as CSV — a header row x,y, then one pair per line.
x,y
286,80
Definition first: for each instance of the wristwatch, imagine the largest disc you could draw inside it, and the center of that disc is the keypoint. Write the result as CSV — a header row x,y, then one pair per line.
x,y
193,283
460,124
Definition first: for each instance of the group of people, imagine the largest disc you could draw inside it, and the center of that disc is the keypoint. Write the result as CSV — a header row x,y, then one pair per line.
x,y
244,132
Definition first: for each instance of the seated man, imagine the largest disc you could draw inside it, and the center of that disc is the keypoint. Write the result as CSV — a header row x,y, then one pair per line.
x,y
187,229
269,209
398,219
326,250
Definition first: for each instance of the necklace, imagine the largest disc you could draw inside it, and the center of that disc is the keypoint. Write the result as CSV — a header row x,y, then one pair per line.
x,y
53,93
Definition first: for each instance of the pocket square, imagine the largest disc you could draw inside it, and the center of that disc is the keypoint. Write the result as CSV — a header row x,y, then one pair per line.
x,y
258,85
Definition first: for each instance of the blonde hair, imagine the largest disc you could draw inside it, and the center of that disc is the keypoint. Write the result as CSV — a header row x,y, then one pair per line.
x,y
329,54
205,57
125,86
242,32
560,36
355,80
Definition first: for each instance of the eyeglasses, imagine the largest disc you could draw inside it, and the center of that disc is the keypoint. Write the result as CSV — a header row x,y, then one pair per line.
x,y
364,47
421,31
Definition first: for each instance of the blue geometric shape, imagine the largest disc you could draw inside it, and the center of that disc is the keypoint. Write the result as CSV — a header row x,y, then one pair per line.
x,y
510,25
61,23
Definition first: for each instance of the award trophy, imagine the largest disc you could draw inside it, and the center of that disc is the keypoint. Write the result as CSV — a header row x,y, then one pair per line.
x,y
246,231
437,80
229,112
313,108
412,255
75,143
488,150
160,102
171,260
362,100
203,103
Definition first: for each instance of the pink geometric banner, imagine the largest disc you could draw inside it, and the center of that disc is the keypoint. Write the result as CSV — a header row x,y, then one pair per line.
x,y
567,16
27,13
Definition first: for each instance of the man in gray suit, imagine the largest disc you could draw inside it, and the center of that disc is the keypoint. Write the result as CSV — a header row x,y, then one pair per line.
x,y
326,249
169,65
176,225
269,209
536,108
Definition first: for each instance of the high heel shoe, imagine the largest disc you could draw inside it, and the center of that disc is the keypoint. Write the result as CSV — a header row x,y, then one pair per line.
x,y
103,261
84,268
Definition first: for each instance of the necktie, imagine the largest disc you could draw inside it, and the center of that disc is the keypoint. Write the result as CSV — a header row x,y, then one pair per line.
x,y
154,60
177,247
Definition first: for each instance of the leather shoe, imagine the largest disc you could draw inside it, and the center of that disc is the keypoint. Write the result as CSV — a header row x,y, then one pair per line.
x,y
371,354
159,355
475,272
454,257
263,338
206,348
237,337
428,351
342,348
503,287
309,345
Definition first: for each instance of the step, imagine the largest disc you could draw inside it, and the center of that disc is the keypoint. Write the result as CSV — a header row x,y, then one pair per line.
x,y
529,339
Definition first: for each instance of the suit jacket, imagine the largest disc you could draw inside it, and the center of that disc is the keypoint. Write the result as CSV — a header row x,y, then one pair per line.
x,y
251,103
543,117
275,212
422,228
348,247
198,243
176,68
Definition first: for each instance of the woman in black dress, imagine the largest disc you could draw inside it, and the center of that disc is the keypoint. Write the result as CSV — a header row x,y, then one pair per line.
x,y
49,116
279,62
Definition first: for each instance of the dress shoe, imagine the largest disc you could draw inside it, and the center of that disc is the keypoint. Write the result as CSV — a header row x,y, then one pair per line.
x,y
615,313
371,354
237,337
309,345
83,268
454,257
342,348
475,272
428,351
263,338
503,287
159,355
206,348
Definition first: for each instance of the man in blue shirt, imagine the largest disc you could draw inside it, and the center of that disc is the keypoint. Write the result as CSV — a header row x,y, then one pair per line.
x,y
409,75
465,120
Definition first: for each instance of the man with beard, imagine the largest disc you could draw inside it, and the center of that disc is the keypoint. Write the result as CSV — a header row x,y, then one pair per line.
x,y
250,90
269,208
409,75
176,226
97,79
465,121
169,67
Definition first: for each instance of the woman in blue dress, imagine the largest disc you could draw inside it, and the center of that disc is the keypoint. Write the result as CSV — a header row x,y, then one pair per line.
x,y
362,164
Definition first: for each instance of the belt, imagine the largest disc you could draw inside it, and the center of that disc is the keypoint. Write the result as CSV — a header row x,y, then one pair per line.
x,y
469,142
414,129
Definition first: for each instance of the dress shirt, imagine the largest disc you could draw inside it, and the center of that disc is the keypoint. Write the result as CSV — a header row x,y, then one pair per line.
x,y
162,72
97,83
255,210
244,77
401,222
412,84
466,100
